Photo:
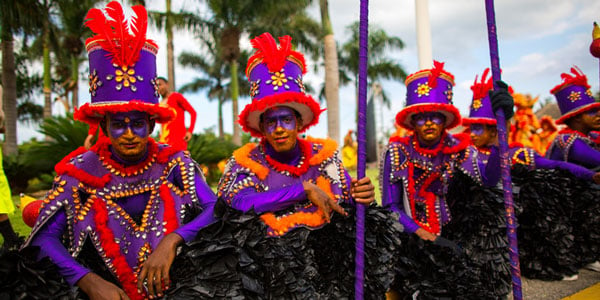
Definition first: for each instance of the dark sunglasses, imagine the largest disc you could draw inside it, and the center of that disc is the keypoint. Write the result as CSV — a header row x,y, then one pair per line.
x,y
434,117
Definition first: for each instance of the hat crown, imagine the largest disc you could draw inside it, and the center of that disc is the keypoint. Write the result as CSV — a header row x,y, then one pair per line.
x,y
122,62
429,86
481,106
573,93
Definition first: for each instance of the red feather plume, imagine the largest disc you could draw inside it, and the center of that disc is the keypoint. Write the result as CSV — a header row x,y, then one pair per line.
x,y
122,38
272,55
576,78
481,89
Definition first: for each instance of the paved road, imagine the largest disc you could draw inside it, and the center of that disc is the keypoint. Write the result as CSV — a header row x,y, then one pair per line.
x,y
553,290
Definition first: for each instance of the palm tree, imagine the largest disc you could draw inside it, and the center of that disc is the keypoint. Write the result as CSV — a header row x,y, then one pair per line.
x,y
232,18
15,17
332,77
380,67
167,21
217,74
72,15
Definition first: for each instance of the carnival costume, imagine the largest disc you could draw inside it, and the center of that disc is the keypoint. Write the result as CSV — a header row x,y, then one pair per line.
x,y
103,214
545,232
579,210
297,254
416,181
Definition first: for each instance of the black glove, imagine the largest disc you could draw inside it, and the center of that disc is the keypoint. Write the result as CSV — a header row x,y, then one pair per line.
x,y
501,99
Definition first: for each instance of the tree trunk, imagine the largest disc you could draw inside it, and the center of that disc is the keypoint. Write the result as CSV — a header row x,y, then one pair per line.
x,y
9,93
46,72
170,54
74,85
332,79
371,132
221,134
237,138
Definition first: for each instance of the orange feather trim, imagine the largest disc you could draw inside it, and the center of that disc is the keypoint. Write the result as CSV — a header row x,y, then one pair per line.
x,y
328,150
283,224
242,157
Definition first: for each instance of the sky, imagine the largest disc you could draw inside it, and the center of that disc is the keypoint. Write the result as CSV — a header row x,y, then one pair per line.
x,y
538,40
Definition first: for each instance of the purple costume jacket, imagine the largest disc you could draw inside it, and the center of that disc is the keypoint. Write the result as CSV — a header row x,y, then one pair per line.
x,y
529,158
123,210
575,147
258,178
415,180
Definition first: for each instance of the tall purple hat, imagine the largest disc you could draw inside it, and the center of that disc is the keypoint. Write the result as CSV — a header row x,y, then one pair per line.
x,y
429,90
481,107
122,66
573,95
275,75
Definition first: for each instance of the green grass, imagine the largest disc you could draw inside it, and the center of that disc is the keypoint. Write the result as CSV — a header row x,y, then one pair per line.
x,y
17,221
22,229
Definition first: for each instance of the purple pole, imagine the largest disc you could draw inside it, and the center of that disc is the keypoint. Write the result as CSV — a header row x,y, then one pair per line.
x,y
511,228
361,138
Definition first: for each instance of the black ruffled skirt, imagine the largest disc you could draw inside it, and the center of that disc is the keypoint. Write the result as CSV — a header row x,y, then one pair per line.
x,y
480,270
234,259
560,223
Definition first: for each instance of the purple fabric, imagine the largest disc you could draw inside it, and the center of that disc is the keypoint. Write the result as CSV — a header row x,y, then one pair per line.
x,y
573,97
481,109
278,191
583,154
272,200
392,195
441,94
578,171
104,74
265,83
52,231
491,176
49,240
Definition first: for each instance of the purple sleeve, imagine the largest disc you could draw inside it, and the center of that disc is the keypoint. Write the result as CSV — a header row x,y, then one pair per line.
x,y
349,180
48,238
584,155
577,170
491,174
271,200
207,200
391,197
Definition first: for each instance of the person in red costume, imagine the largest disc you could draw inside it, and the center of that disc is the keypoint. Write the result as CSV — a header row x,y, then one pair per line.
x,y
174,133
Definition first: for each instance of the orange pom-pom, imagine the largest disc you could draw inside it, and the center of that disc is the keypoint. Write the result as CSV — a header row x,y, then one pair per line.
x,y
31,212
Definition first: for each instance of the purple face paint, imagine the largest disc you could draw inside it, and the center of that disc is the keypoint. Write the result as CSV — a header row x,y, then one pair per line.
x,y
276,117
422,118
137,121
477,129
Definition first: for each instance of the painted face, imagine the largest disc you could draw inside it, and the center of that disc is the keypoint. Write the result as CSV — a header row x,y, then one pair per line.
x,y
280,128
163,87
483,135
128,133
428,127
591,119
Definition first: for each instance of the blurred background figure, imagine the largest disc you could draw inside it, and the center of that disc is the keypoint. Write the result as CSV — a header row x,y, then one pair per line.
x,y
349,151
175,133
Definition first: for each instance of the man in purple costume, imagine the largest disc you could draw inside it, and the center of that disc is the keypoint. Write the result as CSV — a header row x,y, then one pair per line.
x,y
579,143
293,184
127,197
482,125
415,175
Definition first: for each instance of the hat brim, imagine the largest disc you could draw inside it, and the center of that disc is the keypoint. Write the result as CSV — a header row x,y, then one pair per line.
x,y
485,121
577,111
304,104
93,113
451,113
